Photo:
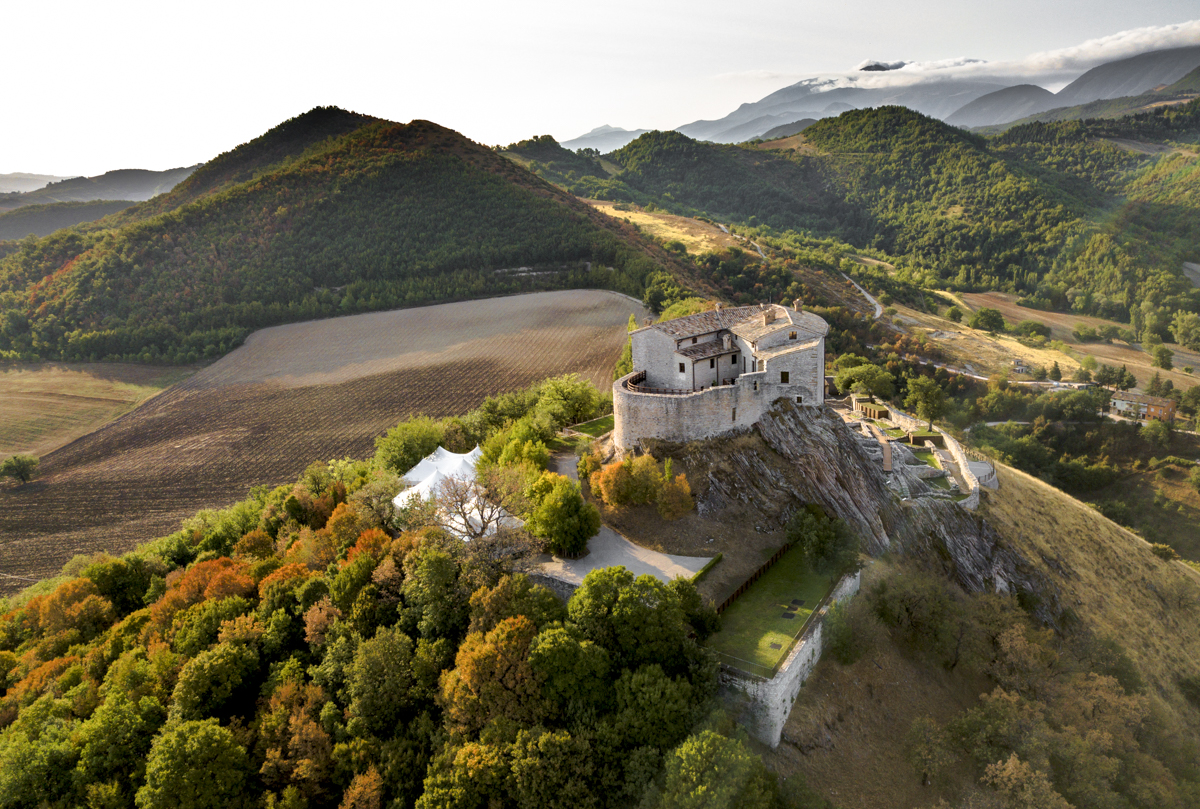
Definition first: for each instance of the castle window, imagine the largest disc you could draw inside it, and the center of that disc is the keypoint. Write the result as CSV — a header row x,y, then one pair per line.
x,y
791,335
783,377
756,384
694,340
712,363
799,400
734,415
681,368
733,359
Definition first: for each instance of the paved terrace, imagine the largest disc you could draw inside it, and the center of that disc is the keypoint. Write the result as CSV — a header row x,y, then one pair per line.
x,y
609,548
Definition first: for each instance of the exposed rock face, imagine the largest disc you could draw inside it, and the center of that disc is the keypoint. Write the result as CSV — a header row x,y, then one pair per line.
x,y
800,455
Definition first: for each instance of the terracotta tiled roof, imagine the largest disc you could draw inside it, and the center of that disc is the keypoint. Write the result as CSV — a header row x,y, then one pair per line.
x,y
705,322
711,348
1141,398
744,321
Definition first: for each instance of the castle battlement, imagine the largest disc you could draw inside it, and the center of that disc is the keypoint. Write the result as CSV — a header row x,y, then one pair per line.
x,y
714,372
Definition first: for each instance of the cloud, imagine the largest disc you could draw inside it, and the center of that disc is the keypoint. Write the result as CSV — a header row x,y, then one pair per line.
x,y
875,64
759,75
1048,68
1117,46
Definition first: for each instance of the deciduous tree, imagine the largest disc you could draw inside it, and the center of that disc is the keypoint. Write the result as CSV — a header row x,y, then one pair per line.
x,y
195,765
927,397
22,468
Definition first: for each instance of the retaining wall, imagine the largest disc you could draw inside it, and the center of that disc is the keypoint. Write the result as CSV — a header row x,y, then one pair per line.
x,y
763,705
971,501
693,415
560,588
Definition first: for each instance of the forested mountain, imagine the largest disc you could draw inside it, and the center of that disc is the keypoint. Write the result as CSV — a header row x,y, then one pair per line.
x,y
1003,106
42,220
134,184
330,213
1063,214
824,97
787,130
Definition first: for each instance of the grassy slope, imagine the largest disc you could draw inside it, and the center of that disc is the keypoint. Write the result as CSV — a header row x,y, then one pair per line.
x,y
756,619
847,728
43,407
1108,578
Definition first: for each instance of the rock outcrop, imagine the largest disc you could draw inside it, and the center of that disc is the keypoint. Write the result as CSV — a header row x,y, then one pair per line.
x,y
800,455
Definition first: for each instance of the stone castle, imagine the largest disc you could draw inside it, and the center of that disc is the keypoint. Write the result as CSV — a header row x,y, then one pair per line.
x,y
710,373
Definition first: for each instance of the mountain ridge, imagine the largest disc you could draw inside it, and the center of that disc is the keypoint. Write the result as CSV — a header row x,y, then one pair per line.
x,y
396,214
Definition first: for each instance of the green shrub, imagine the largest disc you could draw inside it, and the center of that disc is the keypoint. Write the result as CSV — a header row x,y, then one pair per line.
x,y
1164,552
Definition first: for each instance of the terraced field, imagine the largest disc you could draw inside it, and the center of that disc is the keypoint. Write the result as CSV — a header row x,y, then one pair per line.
x,y
291,395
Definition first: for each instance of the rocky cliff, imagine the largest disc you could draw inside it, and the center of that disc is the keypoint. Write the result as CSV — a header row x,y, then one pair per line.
x,y
800,455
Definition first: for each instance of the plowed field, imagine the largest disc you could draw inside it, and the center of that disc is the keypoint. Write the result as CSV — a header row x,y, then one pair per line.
x,y
291,395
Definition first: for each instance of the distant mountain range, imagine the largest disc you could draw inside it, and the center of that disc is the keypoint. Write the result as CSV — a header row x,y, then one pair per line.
x,y
1122,78
604,139
977,101
821,98
21,182
135,185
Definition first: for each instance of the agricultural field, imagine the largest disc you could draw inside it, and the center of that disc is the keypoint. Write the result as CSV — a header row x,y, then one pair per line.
x,y
291,395
697,236
46,405
1116,353
986,354
977,351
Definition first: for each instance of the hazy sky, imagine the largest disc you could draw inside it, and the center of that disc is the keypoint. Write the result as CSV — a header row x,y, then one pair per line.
x,y
92,86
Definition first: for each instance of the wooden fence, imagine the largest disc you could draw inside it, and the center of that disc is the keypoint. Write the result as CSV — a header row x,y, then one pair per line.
x,y
757,575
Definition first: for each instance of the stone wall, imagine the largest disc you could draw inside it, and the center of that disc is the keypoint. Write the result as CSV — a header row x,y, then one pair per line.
x,y
762,705
653,351
688,416
563,589
907,422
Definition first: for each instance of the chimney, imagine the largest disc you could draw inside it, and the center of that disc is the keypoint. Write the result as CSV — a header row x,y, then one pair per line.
x,y
718,306
728,341
647,321
797,304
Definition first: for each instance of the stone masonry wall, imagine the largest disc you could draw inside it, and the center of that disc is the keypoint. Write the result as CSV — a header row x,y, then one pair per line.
x,y
688,416
907,422
763,706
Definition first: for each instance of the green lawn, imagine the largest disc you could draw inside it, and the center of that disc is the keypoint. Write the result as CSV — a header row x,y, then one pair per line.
x,y
596,427
940,483
926,457
755,620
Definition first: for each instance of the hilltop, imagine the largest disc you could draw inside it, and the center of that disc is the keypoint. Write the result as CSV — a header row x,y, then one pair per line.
x,y
330,213
1106,208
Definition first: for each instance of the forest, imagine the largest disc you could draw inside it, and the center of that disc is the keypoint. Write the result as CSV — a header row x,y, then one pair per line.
x,y
1055,212
306,223
314,646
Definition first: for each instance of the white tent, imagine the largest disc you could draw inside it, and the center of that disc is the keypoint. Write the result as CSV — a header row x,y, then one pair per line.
x,y
435,468
450,464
